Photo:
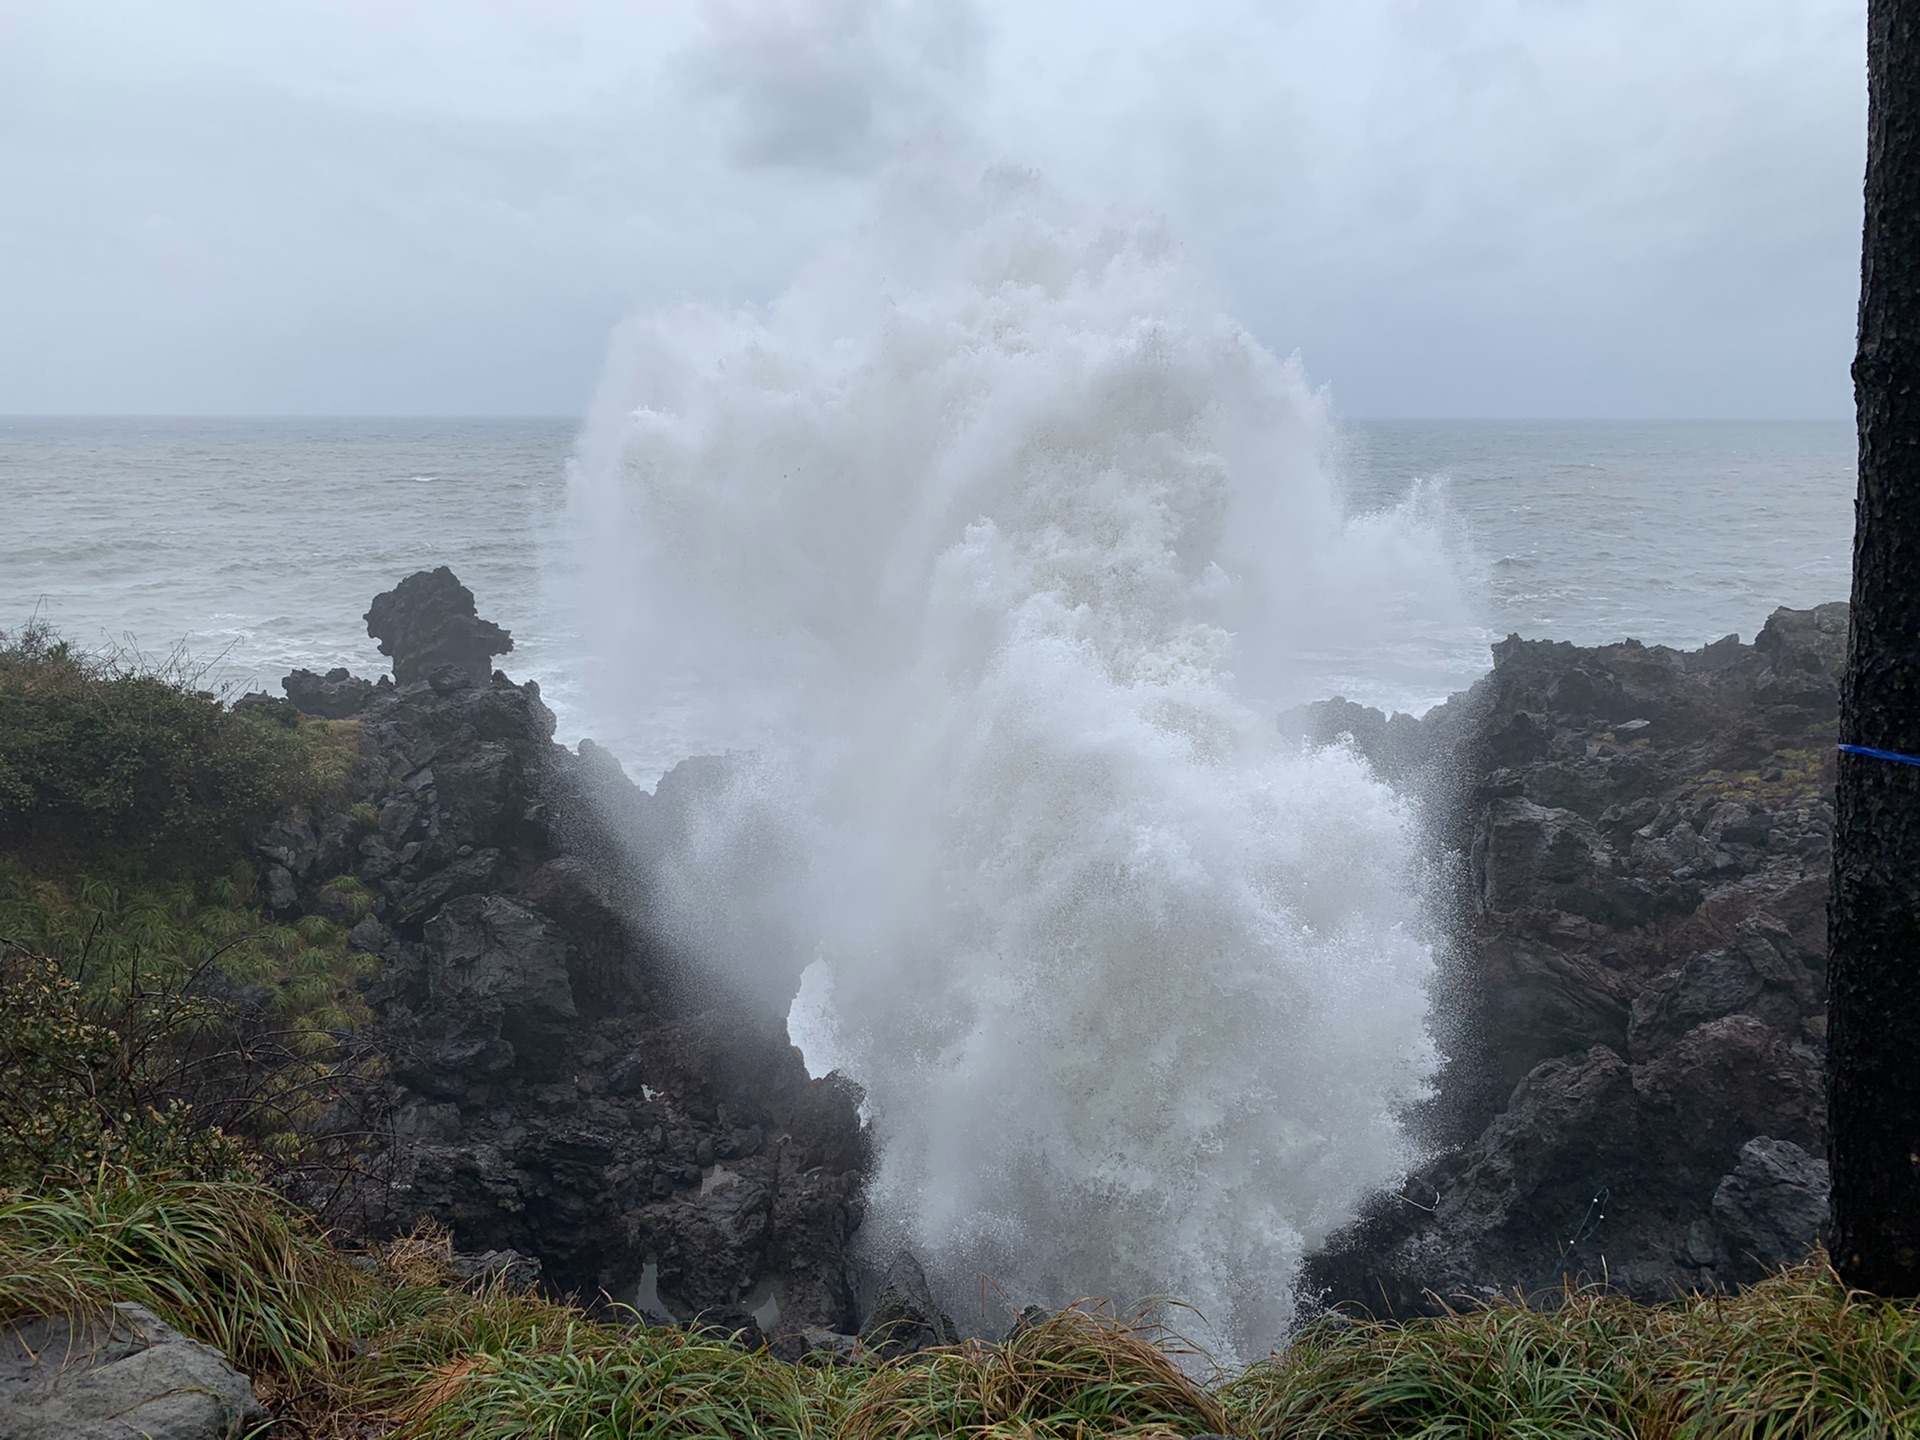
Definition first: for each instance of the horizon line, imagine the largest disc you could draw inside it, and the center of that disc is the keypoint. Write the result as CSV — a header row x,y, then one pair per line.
x,y
1339,419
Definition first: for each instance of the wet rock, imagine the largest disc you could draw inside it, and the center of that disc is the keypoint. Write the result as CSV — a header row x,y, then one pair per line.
x,y
128,1376
1768,1212
497,1000
282,896
1760,974
427,621
1394,745
462,876
1725,1082
1596,1170
905,1319
369,936
290,843
577,897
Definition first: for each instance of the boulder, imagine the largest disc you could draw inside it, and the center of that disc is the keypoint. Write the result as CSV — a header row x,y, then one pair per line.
x,y
123,1376
336,695
1768,1212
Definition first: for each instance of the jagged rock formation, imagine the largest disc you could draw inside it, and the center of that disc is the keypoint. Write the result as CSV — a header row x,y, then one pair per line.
x,y
556,1088
427,621
1637,995
126,1375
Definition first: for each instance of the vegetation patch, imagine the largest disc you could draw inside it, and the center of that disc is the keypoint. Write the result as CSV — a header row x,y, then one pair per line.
x,y
112,753
150,1012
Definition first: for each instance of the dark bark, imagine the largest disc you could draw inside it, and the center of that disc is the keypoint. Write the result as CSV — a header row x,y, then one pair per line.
x,y
1874,975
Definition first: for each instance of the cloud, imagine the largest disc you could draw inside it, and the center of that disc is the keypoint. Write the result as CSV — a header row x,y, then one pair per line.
x,y
831,84
1549,207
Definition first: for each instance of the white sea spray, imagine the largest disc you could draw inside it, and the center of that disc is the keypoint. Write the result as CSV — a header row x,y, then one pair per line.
x,y
998,542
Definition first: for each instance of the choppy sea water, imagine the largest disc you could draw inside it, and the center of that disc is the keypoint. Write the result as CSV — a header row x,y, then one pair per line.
x,y
256,543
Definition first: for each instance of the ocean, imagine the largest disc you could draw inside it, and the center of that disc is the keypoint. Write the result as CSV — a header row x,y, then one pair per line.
x,y
254,544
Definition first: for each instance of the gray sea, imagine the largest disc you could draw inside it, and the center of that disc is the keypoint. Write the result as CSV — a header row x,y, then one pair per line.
x,y
255,544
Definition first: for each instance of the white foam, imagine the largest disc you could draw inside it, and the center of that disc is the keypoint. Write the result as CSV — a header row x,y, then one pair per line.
x,y
1000,542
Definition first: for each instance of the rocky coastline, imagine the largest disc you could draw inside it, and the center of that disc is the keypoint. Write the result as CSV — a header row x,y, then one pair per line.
x,y
1636,845
1634,1001
557,1089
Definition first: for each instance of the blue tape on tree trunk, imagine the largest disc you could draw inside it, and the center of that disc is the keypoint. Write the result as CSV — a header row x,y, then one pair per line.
x,y
1894,755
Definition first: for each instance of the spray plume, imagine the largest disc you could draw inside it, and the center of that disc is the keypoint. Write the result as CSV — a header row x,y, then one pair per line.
x,y
997,540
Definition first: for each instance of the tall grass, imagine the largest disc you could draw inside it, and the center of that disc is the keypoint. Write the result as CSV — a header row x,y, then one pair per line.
x,y
1797,1357
1081,1371
593,1382
387,1343
226,1262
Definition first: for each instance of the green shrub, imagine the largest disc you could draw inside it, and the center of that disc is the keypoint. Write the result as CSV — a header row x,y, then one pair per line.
x,y
74,1094
107,752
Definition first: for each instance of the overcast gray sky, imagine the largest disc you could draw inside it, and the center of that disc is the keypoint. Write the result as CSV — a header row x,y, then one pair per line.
x,y
1448,207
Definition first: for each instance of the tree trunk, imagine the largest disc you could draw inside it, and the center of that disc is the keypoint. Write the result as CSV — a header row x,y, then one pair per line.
x,y
1874,971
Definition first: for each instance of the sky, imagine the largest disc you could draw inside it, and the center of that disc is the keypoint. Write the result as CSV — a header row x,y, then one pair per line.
x,y
1448,208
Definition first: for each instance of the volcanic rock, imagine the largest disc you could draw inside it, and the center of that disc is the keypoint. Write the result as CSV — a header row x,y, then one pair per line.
x,y
428,621
1634,997
557,1089
905,1319
337,695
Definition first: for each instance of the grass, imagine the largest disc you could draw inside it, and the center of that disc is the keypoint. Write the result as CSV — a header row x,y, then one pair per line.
x,y
226,1262
149,994
118,933
386,1343
588,1382
1080,1371
1795,1356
